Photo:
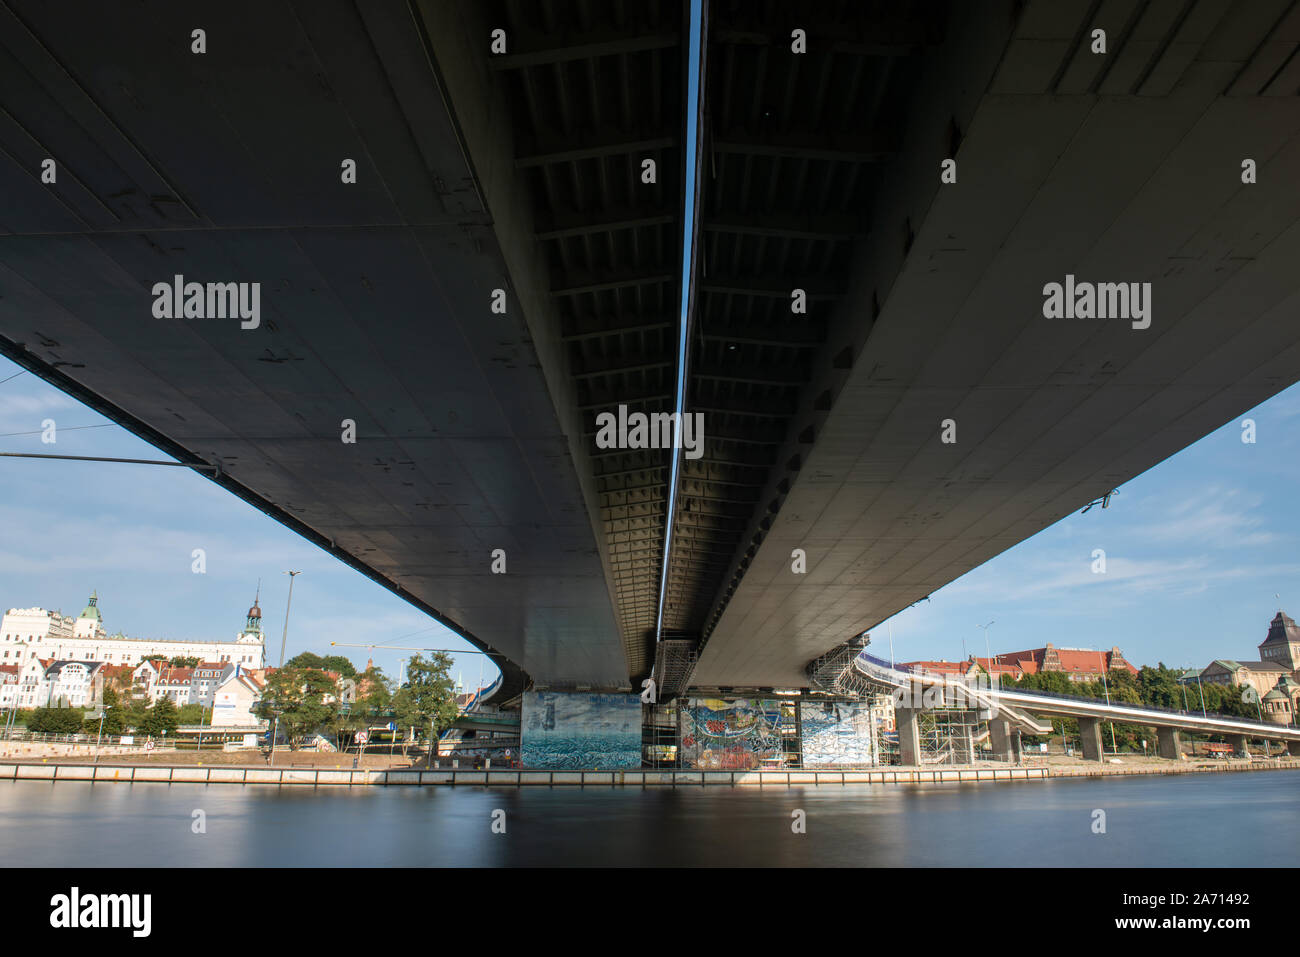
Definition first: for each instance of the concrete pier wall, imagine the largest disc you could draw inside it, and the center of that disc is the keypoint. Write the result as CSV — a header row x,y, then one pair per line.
x,y
308,777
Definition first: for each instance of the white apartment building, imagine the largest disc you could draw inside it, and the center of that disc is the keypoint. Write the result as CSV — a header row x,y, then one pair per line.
x,y
32,633
10,677
45,683
174,684
207,675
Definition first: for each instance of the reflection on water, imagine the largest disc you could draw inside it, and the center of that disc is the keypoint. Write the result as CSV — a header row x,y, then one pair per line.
x,y
1194,820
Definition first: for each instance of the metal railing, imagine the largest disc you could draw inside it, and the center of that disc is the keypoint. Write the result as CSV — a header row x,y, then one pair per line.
x,y
42,737
897,674
1143,706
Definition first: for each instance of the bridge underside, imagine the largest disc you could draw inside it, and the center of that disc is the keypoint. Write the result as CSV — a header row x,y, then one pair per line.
x,y
522,172
375,296
1122,168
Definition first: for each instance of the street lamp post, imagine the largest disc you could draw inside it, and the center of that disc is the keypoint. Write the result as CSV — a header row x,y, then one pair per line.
x,y
1259,711
284,637
988,651
1106,690
100,735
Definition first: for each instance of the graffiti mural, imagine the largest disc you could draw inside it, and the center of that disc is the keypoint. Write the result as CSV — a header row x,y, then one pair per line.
x,y
731,735
836,733
562,731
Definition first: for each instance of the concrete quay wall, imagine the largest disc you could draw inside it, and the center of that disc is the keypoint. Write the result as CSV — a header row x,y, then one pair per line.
x,y
448,777
314,777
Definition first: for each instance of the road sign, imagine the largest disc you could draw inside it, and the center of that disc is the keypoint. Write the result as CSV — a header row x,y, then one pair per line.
x,y
363,737
148,745
392,726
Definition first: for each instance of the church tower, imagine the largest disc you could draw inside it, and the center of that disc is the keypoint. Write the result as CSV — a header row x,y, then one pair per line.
x,y
252,637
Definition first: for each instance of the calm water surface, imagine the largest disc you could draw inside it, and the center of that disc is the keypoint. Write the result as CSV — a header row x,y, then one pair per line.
x,y
1193,820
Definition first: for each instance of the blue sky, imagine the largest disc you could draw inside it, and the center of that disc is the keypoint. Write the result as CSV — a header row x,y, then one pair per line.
x,y
1195,548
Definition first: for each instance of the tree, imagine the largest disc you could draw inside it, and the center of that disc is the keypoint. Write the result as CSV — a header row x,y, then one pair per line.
x,y
374,691
305,660
303,700
133,713
55,720
427,701
112,723
184,661
192,714
340,664
162,717
1054,681
373,702
1159,687
336,663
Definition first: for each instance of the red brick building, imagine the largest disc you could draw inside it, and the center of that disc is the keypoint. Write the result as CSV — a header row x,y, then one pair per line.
x,y
1079,664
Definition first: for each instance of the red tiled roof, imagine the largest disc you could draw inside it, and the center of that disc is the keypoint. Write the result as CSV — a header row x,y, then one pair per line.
x,y
1082,661
1021,658
1070,660
995,667
940,667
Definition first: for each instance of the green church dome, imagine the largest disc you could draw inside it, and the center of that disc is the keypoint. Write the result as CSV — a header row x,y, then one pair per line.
x,y
92,610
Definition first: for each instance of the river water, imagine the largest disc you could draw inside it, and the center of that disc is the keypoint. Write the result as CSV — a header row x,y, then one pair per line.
x,y
1247,819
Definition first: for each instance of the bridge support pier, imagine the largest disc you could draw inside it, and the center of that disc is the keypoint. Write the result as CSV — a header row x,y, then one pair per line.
x,y
1090,738
1005,741
1169,743
1239,749
909,735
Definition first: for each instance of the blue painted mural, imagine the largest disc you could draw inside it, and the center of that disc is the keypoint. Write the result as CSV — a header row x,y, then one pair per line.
x,y
835,733
565,731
